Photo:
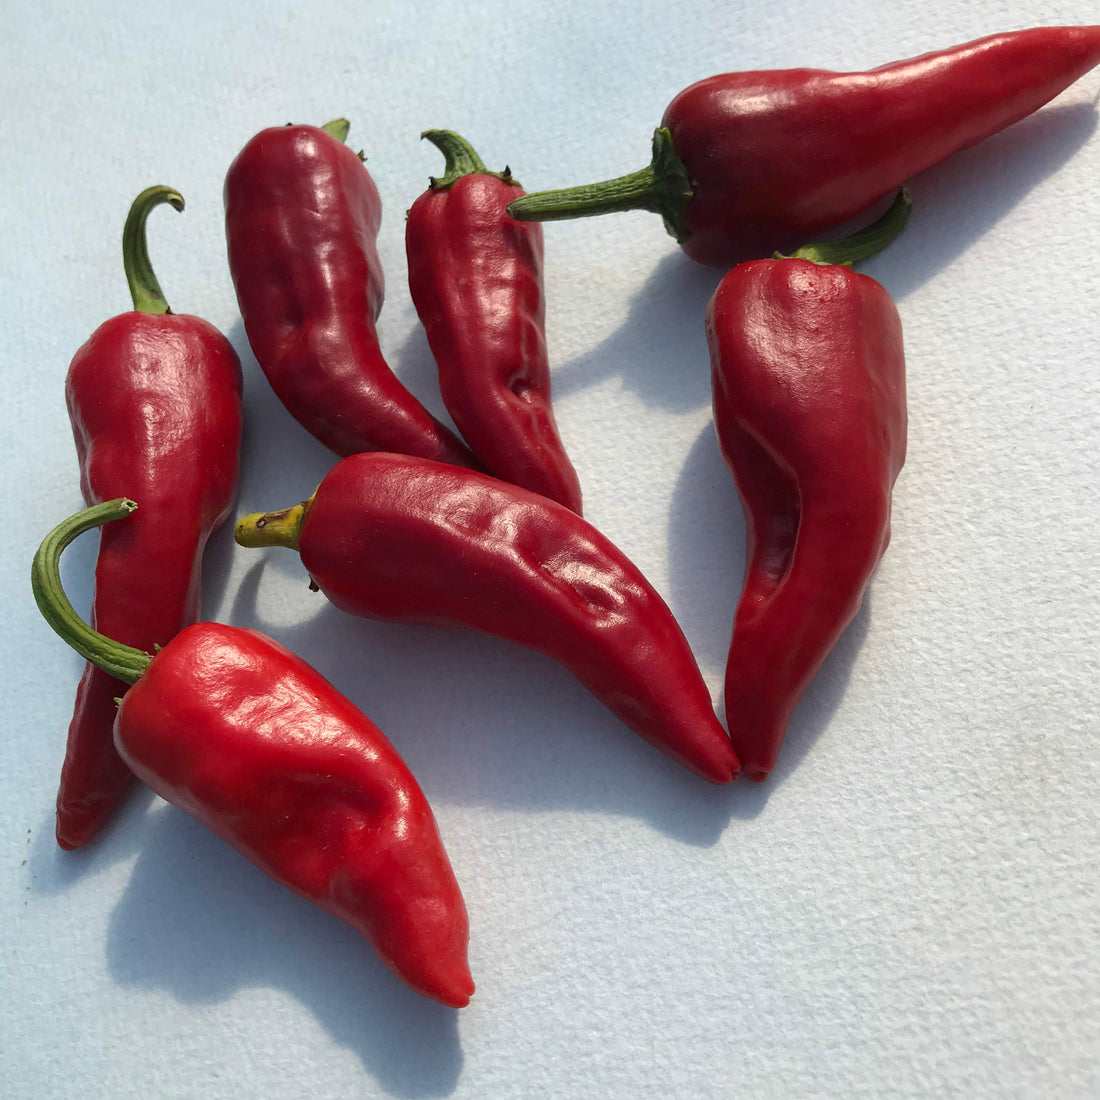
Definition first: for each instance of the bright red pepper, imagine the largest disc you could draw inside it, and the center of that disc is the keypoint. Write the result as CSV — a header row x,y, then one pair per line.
x,y
301,218
407,540
476,281
245,736
745,163
809,404
155,403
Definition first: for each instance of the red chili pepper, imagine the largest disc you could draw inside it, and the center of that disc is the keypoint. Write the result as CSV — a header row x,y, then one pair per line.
x,y
809,403
476,281
745,163
155,402
301,218
245,736
406,540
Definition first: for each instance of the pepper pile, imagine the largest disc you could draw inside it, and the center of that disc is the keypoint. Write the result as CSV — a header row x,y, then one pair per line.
x,y
412,525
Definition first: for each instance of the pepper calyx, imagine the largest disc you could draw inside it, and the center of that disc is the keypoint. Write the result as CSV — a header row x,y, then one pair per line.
x,y
144,287
121,661
461,160
662,187
337,128
279,528
861,245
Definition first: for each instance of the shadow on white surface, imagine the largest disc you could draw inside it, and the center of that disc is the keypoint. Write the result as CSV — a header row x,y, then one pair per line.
x,y
958,202
200,922
55,871
660,350
706,549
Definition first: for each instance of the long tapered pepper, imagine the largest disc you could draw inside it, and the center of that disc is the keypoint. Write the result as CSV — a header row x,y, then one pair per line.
x,y
809,405
301,217
231,727
745,163
476,281
403,539
155,403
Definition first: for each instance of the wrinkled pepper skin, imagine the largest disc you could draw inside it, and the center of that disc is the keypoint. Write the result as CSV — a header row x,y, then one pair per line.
x,y
242,734
476,280
406,540
761,160
155,405
301,215
809,405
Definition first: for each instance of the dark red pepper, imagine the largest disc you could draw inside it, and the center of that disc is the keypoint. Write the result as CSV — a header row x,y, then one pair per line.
x,y
245,736
406,540
476,281
155,403
744,163
809,403
301,218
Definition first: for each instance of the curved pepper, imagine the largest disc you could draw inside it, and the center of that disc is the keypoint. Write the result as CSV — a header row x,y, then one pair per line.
x,y
809,405
240,733
406,540
155,403
744,163
301,218
476,281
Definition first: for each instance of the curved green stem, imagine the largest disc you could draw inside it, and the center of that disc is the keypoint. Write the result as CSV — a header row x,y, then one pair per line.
x,y
663,187
461,159
121,661
862,245
337,128
144,288
281,528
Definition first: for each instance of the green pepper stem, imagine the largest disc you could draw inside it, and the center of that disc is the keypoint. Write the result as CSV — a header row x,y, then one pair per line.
x,y
121,661
281,528
144,288
461,160
337,128
862,245
662,187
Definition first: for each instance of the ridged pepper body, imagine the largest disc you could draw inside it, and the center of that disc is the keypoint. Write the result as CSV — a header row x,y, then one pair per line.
x,y
155,404
234,729
775,156
302,215
809,405
476,280
402,539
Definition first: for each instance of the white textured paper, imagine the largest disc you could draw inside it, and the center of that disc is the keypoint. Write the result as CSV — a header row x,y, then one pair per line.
x,y
907,908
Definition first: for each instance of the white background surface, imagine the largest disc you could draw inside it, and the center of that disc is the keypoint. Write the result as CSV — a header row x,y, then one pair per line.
x,y
907,908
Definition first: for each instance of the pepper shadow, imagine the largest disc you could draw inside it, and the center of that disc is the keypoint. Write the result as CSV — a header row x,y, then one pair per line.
x,y
415,365
278,456
958,202
199,921
813,715
706,535
484,722
53,870
660,352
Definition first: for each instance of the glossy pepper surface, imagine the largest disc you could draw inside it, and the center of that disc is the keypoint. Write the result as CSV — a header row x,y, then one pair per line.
x,y
155,403
301,217
809,405
745,163
406,540
237,731
476,280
